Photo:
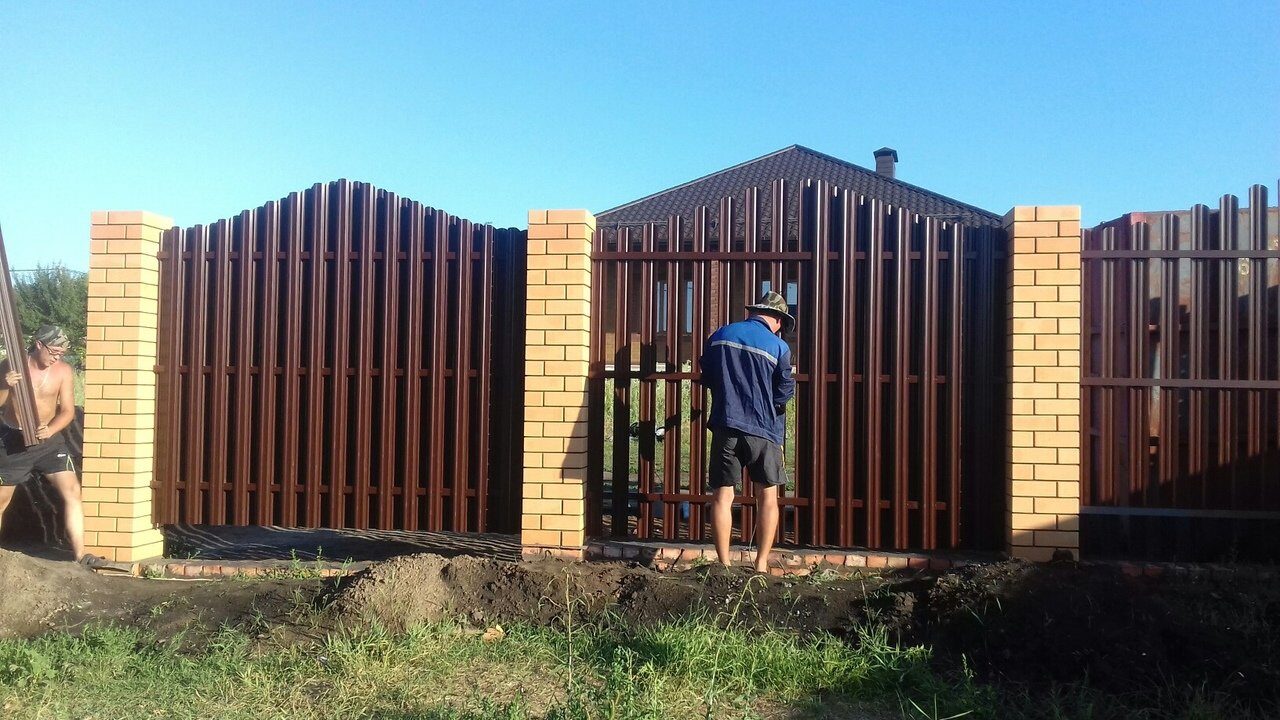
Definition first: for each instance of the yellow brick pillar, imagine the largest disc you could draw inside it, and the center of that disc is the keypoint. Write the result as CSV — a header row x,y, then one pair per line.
x,y
557,340
1044,376
120,384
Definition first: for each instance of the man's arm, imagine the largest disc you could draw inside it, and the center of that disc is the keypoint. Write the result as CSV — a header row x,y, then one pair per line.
x,y
66,408
4,386
784,386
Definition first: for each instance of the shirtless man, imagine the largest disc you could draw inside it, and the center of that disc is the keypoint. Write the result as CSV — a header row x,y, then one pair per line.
x,y
55,408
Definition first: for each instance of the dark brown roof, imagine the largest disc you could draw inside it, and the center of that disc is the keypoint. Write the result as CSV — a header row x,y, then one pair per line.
x,y
795,164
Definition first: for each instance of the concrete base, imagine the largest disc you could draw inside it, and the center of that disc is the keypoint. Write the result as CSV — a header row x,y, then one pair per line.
x,y
537,552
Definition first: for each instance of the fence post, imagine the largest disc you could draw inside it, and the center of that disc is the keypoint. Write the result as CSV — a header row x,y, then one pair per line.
x,y
558,340
1044,376
120,384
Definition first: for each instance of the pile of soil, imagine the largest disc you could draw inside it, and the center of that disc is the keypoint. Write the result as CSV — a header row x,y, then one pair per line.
x,y
33,592
1025,623
425,588
38,595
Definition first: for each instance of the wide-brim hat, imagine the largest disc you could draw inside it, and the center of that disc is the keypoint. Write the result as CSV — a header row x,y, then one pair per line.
x,y
771,303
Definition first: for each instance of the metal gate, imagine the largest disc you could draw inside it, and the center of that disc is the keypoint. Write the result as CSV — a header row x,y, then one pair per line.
x,y
341,358
1181,396
895,439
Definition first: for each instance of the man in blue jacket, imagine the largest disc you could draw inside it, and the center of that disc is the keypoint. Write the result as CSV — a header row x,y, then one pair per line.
x,y
747,368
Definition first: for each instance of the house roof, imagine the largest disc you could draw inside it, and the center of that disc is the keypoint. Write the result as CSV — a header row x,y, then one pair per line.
x,y
795,164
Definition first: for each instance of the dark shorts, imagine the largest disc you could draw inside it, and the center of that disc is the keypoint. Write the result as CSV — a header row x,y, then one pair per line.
x,y
17,461
732,450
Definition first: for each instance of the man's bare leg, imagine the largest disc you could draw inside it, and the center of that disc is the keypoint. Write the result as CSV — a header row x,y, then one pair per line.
x,y
722,522
73,510
6,495
766,523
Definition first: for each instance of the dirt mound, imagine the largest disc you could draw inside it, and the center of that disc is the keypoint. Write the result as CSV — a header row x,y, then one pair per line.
x,y
1028,624
33,592
425,588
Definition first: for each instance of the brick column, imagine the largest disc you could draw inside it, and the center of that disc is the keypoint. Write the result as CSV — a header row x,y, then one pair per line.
x,y
120,384
1044,376
558,339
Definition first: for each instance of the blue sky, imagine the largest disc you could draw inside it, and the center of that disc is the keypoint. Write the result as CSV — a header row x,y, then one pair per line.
x,y
199,110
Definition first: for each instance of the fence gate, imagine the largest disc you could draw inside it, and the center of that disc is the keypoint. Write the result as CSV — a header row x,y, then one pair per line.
x,y
341,358
895,438
1181,401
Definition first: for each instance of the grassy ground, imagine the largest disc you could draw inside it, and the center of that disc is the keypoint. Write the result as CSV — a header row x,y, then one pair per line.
x,y
688,669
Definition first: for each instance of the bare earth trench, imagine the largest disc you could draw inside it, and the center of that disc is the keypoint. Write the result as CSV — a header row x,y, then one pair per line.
x,y
1009,622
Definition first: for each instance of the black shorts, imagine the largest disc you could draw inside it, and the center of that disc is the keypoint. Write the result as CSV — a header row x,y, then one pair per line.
x,y
17,461
733,450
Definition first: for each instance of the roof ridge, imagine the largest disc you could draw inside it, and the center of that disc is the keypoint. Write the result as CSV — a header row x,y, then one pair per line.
x,y
886,178
704,177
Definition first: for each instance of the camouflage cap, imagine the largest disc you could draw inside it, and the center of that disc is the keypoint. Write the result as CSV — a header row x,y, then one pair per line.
x,y
771,303
50,336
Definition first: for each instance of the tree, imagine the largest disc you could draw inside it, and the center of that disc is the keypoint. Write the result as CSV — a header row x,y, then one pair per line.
x,y
55,295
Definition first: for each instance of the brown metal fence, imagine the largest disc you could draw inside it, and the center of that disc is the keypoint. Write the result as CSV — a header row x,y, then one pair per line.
x,y
895,439
1181,386
341,358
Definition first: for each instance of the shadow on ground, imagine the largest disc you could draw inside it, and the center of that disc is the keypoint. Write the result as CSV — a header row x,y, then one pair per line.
x,y
212,542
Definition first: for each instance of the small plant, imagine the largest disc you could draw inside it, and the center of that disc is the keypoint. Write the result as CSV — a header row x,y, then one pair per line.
x,y
823,576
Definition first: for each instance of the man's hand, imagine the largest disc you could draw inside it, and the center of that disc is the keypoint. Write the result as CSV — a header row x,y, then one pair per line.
x,y
13,378
42,433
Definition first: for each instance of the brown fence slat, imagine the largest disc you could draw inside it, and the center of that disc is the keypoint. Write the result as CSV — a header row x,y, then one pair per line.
x,y
928,386
479,430
366,267
269,379
194,439
24,402
959,277
169,400
899,380
439,390
849,418
390,374
291,408
246,371
462,377
415,334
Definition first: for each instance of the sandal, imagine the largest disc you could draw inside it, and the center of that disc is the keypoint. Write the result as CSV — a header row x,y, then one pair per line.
x,y
92,561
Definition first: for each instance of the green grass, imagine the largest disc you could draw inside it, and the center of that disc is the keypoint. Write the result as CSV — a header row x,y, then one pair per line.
x,y
692,668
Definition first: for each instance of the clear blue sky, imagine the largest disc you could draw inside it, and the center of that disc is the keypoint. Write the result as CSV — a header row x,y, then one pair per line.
x,y
199,110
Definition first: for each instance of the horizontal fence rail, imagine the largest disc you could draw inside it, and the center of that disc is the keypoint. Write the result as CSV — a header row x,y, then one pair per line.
x,y
341,358
1181,384
894,438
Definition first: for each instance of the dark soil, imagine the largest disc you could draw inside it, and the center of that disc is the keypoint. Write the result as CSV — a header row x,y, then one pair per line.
x,y
40,595
1008,622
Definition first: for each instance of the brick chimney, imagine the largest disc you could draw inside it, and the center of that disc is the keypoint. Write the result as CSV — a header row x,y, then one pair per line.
x,y
886,160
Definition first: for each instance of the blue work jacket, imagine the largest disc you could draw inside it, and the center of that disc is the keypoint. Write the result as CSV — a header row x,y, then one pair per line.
x,y
748,371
